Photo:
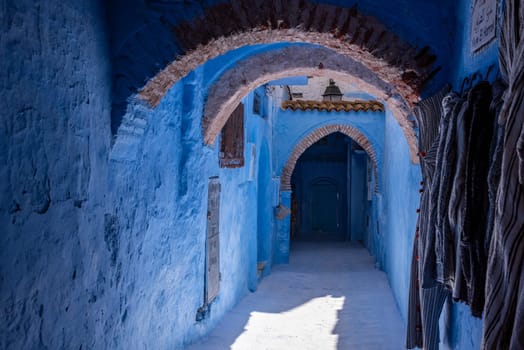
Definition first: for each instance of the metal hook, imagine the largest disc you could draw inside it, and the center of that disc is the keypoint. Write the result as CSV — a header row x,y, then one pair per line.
x,y
466,79
488,72
474,77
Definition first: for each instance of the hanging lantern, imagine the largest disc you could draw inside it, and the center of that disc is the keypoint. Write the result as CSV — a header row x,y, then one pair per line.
x,y
332,92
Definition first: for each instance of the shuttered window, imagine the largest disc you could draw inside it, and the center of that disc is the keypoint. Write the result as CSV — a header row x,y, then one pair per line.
x,y
232,141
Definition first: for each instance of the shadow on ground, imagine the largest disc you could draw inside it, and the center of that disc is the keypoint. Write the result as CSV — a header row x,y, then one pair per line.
x,y
330,296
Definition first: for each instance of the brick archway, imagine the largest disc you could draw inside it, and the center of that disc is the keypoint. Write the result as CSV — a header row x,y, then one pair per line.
x,y
227,92
316,135
402,68
229,26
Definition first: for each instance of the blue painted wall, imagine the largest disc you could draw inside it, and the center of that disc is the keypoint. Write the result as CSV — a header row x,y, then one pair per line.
x,y
54,140
264,210
396,213
167,184
282,229
104,248
467,61
358,202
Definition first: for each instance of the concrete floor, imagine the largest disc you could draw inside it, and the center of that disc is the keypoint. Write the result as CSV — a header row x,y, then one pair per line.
x,y
330,296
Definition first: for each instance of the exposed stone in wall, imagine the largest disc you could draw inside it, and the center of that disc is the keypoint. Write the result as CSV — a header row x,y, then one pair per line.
x,y
309,140
131,133
234,84
147,50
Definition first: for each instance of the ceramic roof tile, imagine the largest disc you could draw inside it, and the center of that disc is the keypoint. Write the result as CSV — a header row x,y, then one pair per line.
x,y
333,106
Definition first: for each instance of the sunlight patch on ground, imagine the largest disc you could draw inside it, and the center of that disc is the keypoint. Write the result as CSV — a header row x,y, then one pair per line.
x,y
308,326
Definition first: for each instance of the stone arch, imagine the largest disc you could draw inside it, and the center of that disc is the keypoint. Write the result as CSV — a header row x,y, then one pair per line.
x,y
317,134
347,32
233,85
229,26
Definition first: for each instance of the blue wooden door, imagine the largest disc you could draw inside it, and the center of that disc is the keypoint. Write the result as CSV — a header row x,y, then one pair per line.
x,y
325,218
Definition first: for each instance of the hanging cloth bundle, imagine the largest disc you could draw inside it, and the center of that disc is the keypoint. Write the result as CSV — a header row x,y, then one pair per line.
x,y
447,157
457,151
479,122
426,296
503,326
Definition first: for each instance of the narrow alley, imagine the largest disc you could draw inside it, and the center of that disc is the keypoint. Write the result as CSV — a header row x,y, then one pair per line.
x,y
262,174
330,296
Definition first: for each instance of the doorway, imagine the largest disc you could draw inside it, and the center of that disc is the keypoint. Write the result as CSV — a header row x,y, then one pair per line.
x,y
329,186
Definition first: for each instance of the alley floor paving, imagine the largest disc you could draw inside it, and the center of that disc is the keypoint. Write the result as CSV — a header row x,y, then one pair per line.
x,y
330,296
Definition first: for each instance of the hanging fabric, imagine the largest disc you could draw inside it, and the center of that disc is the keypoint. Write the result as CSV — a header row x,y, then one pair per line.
x,y
475,199
496,157
426,296
455,206
503,326
449,253
447,158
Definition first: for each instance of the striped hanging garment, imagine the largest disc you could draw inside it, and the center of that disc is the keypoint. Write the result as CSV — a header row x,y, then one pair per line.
x,y
504,307
426,296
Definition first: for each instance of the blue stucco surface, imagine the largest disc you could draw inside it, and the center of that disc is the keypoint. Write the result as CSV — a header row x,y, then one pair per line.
x,y
181,177
397,215
359,204
264,210
54,140
111,242
467,61
282,229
